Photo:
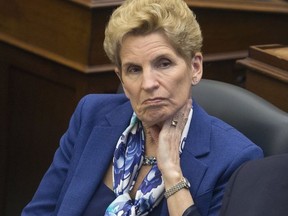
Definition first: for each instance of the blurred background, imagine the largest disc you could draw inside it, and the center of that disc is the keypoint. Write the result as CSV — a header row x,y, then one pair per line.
x,y
51,55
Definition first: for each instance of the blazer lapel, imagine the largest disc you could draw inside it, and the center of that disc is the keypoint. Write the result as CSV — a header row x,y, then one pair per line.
x,y
94,161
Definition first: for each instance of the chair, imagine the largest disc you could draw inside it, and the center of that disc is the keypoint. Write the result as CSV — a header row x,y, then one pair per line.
x,y
259,120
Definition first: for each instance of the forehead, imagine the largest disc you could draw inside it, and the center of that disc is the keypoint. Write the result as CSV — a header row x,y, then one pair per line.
x,y
134,46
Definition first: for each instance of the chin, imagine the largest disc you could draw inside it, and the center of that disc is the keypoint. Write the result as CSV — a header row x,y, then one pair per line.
x,y
154,119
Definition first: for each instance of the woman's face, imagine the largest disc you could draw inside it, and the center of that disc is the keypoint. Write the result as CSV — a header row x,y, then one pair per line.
x,y
155,78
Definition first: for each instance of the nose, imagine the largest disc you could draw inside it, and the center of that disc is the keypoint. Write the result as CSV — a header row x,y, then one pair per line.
x,y
149,80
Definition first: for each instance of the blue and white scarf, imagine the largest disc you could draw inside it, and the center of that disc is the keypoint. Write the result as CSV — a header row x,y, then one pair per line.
x,y
127,161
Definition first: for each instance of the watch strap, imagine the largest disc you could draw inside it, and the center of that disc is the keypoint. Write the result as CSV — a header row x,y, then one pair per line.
x,y
183,183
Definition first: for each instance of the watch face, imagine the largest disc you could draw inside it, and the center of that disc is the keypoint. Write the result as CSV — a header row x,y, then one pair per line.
x,y
187,182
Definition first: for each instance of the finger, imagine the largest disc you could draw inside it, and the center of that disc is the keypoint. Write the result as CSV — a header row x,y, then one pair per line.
x,y
180,118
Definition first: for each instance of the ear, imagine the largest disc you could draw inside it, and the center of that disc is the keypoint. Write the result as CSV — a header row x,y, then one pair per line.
x,y
197,68
118,73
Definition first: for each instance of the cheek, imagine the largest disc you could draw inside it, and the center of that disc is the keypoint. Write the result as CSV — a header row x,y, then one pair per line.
x,y
129,90
180,92
181,95
182,86
126,93
132,95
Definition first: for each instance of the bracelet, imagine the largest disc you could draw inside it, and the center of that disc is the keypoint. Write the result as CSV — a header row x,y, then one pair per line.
x,y
184,183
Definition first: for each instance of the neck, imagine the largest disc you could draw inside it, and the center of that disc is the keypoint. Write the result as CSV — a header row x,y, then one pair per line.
x,y
151,143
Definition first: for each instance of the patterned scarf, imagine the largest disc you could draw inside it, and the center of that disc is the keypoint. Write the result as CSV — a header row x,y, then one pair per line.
x,y
127,161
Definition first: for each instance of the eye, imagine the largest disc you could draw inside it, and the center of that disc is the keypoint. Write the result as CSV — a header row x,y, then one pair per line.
x,y
133,69
164,63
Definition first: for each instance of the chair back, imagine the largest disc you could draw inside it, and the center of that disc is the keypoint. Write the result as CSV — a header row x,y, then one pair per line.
x,y
259,120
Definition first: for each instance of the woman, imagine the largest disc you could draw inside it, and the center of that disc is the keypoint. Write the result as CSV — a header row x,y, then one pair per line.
x,y
135,154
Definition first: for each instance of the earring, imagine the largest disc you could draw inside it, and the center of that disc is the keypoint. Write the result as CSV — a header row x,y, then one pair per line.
x,y
195,80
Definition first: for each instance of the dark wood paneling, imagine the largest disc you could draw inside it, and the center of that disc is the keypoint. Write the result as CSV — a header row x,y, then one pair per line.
x,y
39,110
232,30
3,130
38,99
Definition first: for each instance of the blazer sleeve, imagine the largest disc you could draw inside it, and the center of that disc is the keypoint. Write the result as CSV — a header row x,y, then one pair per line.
x,y
48,193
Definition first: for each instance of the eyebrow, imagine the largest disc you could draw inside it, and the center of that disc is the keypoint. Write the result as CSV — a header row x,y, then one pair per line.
x,y
163,56
127,64
157,58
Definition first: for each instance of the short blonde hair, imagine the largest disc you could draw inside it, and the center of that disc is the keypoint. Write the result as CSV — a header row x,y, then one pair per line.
x,y
140,17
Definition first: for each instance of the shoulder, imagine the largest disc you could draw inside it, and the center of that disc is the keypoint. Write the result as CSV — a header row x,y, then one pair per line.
x,y
233,146
101,103
263,172
222,136
94,109
224,143
93,100
264,181
223,133
274,165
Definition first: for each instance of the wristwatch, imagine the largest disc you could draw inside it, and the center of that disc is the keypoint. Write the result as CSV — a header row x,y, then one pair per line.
x,y
184,183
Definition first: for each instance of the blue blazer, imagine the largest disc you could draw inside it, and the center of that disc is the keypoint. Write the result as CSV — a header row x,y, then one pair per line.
x,y
212,152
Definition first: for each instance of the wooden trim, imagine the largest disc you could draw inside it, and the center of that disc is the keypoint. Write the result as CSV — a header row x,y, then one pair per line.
x,y
41,52
225,56
264,53
98,3
265,69
276,6
104,67
54,57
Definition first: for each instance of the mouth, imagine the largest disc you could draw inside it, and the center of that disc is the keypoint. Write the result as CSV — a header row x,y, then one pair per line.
x,y
154,101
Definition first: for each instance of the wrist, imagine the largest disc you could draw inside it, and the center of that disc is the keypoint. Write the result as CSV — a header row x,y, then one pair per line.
x,y
171,178
182,184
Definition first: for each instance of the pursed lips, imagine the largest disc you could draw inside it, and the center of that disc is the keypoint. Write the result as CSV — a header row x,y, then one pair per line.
x,y
153,101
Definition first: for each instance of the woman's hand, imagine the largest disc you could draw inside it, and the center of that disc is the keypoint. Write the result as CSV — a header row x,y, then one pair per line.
x,y
168,145
168,158
169,138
